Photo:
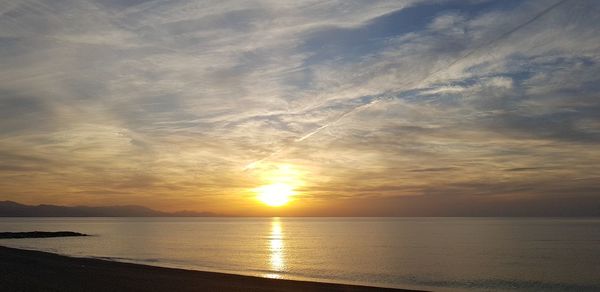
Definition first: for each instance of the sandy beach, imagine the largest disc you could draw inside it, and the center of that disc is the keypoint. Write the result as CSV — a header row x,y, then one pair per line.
x,y
25,270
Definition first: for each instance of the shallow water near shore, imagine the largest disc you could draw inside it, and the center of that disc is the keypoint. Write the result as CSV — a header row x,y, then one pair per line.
x,y
440,254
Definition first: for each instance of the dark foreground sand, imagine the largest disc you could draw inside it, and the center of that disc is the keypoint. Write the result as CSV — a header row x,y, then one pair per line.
x,y
24,270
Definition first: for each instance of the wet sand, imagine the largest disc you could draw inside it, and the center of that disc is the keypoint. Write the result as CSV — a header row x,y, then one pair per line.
x,y
25,270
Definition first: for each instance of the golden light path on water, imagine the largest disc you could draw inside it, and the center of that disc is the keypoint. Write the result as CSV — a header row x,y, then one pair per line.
x,y
276,250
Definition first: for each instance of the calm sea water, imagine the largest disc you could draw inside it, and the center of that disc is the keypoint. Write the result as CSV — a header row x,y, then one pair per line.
x,y
440,254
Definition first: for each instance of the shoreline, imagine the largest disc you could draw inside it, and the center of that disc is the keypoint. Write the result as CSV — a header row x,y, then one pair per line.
x,y
30,270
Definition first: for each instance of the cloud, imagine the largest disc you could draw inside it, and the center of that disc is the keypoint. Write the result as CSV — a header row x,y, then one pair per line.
x,y
169,101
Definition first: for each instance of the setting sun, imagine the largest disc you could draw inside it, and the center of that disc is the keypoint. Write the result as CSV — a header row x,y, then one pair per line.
x,y
275,195
277,183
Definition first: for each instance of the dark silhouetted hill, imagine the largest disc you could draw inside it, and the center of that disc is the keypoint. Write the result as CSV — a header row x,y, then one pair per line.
x,y
13,209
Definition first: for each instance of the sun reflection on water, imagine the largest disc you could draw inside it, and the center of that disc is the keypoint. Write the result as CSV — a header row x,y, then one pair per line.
x,y
276,250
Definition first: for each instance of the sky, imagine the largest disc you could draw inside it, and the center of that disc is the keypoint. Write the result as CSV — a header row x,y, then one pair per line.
x,y
360,108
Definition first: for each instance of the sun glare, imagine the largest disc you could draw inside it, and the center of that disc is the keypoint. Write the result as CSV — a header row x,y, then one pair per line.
x,y
275,195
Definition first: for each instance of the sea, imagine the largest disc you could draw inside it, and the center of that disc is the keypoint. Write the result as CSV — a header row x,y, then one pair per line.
x,y
434,254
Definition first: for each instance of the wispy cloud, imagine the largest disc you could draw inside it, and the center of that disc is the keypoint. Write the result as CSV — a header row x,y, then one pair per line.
x,y
168,102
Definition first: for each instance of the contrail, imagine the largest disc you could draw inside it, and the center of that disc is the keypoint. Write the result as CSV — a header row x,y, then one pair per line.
x,y
339,118
254,164
312,133
499,38
431,74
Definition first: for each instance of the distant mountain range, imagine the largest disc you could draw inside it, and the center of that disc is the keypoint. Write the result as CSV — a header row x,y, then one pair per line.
x,y
13,209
